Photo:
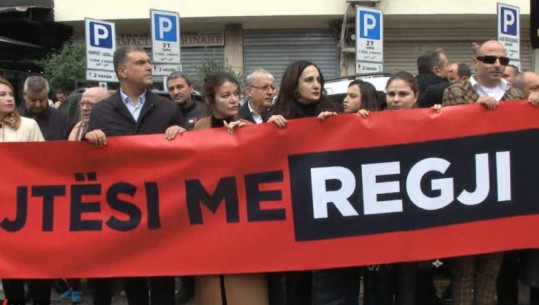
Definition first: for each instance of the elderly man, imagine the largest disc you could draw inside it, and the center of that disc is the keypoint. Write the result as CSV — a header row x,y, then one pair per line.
x,y
90,97
260,89
53,123
510,72
520,264
474,277
181,92
134,110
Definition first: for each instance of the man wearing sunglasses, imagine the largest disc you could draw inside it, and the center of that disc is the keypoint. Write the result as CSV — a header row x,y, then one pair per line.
x,y
474,277
487,86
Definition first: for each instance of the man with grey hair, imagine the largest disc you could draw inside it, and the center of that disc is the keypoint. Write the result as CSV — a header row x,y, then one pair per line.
x,y
260,88
181,92
53,123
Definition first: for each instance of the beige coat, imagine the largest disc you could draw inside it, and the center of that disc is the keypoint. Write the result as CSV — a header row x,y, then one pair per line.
x,y
241,289
28,132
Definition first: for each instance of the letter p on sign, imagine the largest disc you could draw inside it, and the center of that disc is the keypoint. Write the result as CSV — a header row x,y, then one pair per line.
x,y
100,35
369,25
509,21
165,28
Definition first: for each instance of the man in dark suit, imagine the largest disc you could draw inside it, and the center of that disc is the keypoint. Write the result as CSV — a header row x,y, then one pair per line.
x,y
134,110
260,89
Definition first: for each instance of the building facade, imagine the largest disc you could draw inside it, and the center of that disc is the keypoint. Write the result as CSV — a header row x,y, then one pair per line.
x,y
254,34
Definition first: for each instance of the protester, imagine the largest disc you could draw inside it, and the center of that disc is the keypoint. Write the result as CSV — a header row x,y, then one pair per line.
x,y
432,67
53,124
520,267
134,110
14,128
301,95
360,96
60,98
459,72
89,99
221,92
510,72
181,92
261,90
474,277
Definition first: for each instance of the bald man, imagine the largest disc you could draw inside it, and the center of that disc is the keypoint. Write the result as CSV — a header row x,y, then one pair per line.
x,y
90,97
487,86
527,81
474,277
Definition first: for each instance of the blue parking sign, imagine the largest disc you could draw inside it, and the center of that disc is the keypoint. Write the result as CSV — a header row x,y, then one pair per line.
x,y
509,20
101,35
165,28
369,25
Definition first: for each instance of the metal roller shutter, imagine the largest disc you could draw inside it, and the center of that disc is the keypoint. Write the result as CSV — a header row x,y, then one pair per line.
x,y
403,46
193,57
274,50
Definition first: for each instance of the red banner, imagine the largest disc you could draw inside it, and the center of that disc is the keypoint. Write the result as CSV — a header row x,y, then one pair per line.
x,y
397,186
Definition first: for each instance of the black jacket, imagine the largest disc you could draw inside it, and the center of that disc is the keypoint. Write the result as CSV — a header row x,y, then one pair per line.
x,y
53,124
193,111
114,119
426,79
431,89
245,113
434,94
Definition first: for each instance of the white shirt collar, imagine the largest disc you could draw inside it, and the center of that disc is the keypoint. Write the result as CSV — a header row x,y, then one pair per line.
x,y
257,117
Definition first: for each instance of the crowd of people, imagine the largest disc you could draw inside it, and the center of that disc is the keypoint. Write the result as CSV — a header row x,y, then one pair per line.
x,y
136,110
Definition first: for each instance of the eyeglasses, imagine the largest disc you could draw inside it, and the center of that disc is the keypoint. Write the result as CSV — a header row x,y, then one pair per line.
x,y
265,88
490,59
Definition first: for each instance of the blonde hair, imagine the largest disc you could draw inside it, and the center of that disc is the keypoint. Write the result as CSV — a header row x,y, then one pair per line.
x,y
14,118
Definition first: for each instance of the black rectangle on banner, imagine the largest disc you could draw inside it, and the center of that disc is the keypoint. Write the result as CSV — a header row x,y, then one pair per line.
x,y
414,186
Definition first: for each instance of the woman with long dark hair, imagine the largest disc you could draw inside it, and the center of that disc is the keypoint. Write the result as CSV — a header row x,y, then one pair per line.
x,y
301,95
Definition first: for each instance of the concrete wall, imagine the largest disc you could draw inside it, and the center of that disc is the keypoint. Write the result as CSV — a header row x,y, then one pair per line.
x,y
75,10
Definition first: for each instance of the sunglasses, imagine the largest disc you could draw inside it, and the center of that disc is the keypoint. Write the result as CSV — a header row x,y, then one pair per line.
x,y
490,59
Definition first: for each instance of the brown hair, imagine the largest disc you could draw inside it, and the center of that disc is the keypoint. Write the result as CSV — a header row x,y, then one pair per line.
x,y
14,118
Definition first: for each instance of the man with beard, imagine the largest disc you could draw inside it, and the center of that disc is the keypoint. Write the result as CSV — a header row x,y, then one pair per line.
x,y
261,91
181,92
